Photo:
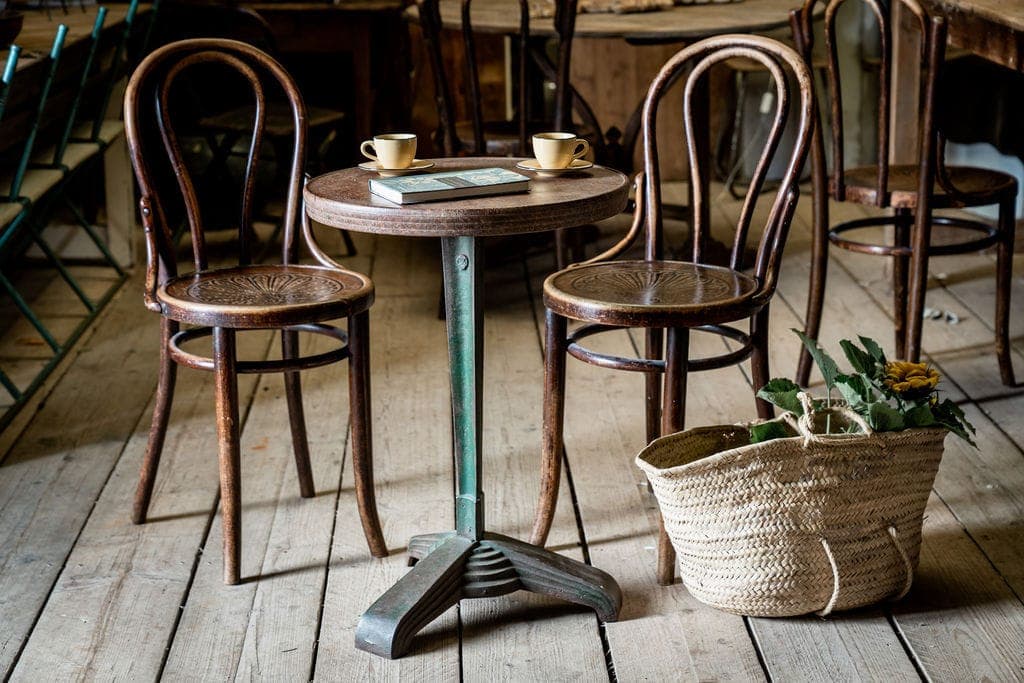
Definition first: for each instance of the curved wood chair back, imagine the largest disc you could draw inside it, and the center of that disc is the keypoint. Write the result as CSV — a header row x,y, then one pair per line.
x,y
783,63
451,144
932,34
152,137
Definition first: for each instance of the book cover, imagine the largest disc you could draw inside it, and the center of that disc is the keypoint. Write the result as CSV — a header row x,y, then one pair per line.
x,y
426,187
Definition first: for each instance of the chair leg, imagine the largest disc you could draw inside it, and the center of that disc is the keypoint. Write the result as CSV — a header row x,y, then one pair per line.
x,y
561,249
296,415
1004,277
362,435
816,286
901,238
759,370
554,415
158,427
673,420
917,281
652,382
226,394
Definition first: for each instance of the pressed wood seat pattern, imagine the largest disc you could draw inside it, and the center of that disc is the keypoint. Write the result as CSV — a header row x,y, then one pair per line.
x,y
220,301
911,191
662,296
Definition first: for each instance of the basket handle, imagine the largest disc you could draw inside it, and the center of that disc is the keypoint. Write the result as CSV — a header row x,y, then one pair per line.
x,y
805,423
908,568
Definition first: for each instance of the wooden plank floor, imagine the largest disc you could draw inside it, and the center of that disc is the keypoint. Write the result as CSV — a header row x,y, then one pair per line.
x,y
84,594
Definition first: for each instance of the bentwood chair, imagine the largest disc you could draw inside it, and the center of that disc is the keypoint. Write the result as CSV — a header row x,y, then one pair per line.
x,y
659,295
222,301
911,191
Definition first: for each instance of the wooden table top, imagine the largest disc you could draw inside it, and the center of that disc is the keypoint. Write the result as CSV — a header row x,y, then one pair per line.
x,y
993,29
342,199
676,24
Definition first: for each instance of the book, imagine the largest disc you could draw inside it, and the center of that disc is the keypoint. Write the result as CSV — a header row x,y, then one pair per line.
x,y
429,187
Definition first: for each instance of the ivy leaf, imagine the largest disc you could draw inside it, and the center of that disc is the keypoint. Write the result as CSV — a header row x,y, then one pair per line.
x,y
782,392
827,366
920,416
861,361
767,431
873,349
884,418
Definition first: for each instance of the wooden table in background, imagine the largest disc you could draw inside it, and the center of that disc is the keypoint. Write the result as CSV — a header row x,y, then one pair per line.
x,y
470,562
993,29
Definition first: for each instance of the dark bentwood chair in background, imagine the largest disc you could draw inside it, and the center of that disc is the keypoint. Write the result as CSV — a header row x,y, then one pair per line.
x,y
221,301
912,191
657,294
481,137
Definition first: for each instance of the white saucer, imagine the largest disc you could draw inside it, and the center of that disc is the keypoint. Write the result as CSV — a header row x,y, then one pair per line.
x,y
416,166
534,165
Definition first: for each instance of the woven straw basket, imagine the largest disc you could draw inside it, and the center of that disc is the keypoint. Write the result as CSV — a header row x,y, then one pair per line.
x,y
810,523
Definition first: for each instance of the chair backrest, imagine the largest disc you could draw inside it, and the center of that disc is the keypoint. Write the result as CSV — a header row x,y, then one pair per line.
x,y
8,76
451,144
14,192
80,89
785,67
157,154
932,45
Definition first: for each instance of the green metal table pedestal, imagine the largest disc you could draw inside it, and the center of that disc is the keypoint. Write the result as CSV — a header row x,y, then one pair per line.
x,y
468,562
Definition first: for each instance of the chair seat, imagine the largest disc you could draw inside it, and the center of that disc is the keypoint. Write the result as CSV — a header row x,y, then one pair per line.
x,y
975,186
652,294
263,296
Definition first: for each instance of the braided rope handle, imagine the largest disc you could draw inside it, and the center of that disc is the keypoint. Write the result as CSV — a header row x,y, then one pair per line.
x,y
908,571
805,423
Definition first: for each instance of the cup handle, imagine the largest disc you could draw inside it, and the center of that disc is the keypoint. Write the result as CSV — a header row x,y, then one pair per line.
x,y
582,148
368,144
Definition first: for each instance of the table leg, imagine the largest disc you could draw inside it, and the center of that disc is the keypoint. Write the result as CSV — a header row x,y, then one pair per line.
x,y
468,562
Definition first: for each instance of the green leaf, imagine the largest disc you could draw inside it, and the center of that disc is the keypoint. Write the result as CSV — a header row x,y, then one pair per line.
x,y
884,418
782,392
827,366
854,389
949,415
920,416
861,361
767,431
874,349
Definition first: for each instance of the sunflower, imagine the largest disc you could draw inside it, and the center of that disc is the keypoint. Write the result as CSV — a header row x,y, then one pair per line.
x,y
910,380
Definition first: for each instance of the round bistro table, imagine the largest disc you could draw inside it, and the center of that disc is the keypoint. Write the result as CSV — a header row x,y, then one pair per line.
x,y
470,562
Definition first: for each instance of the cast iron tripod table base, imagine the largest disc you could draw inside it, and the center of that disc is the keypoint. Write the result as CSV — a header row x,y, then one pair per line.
x,y
470,562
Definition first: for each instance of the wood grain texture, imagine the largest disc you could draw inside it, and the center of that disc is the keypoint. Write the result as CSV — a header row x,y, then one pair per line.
x,y
54,473
135,577
343,199
960,619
